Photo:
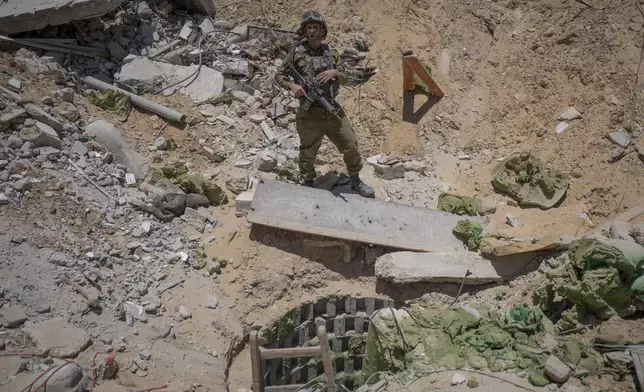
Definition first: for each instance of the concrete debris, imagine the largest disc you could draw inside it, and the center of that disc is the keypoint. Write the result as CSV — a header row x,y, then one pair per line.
x,y
16,116
212,302
65,94
389,172
40,65
14,84
511,220
486,206
620,231
556,370
41,135
243,202
457,379
435,267
40,115
145,73
184,312
35,15
266,161
13,316
116,50
268,132
562,126
569,115
621,138
110,137
58,337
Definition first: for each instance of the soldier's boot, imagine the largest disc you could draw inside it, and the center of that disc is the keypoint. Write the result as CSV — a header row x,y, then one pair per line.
x,y
308,183
363,189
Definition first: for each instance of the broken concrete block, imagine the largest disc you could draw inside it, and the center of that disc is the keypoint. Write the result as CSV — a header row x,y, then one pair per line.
x,y
9,118
58,337
13,316
226,120
621,138
238,34
40,115
621,231
41,136
243,202
570,114
268,132
561,127
116,50
486,206
206,26
266,161
14,84
188,32
110,137
65,94
145,73
35,15
435,267
389,172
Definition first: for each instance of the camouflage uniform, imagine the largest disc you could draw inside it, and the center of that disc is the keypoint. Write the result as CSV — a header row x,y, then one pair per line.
x,y
314,124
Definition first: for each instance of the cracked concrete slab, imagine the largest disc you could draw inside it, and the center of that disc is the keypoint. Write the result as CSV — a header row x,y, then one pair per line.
x,y
28,15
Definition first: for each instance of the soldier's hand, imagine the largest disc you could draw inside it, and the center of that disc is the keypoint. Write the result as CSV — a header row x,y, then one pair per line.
x,y
298,90
327,75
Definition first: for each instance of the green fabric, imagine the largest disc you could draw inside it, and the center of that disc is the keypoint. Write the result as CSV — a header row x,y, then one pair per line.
x,y
112,101
523,177
470,232
427,338
600,277
461,205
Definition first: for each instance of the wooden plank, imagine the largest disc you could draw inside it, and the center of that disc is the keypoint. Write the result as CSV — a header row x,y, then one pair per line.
x,y
412,65
638,362
353,218
326,359
255,361
284,388
292,352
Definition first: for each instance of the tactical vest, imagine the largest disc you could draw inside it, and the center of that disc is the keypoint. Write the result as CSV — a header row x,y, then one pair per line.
x,y
316,62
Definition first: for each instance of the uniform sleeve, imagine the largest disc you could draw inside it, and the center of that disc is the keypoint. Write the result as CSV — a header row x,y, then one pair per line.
x,y
342,78
280,77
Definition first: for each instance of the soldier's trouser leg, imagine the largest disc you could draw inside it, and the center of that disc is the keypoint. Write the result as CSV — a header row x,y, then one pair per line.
x,y
311,127
341,133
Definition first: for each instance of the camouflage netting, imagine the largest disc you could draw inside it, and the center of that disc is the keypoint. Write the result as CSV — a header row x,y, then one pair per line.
x,y
524,178
422,339
461,205
603,276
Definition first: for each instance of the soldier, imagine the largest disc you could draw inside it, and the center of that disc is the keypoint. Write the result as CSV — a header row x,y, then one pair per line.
x,y
312,58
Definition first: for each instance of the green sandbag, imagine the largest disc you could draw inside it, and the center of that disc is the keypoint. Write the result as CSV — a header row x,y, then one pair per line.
x,y
112,101
637,287
460,205
523,177
590,254
470,232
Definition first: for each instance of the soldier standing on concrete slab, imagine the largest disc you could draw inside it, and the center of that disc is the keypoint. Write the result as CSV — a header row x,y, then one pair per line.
x,y
312,58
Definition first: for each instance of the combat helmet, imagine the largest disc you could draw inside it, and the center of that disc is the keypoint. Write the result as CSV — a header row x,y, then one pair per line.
x,y
312,16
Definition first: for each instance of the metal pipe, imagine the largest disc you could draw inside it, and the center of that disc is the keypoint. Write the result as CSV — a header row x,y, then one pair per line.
x,y
144,103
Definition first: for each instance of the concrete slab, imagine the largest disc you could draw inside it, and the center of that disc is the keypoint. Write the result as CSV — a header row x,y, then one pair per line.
x,y
436,267
58,337
353,218
27,15
143,72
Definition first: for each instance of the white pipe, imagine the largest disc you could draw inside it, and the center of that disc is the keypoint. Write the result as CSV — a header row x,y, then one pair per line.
x,y
144,103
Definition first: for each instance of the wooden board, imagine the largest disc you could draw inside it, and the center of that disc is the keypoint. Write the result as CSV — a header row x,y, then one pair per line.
x,y
638,363
353,218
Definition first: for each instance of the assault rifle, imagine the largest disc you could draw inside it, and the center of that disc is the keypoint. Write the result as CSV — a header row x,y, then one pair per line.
x,y
314,92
